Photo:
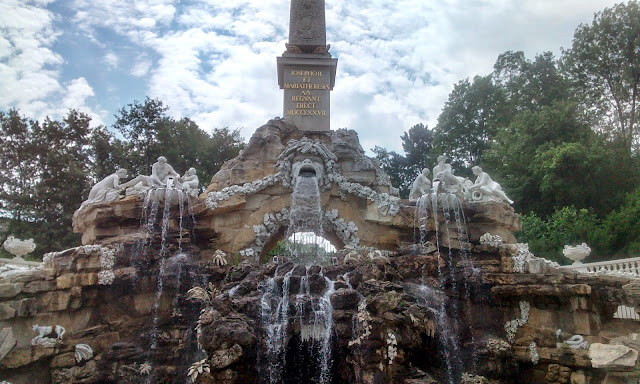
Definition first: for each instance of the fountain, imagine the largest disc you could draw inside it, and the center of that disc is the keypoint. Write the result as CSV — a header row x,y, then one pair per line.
x,y
170,287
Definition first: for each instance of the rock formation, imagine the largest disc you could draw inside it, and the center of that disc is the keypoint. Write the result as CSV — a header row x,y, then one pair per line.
x,y
170,288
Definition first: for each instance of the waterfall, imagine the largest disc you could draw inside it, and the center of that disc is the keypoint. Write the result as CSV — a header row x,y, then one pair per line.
x,y
274,313
447,309
305,228
324,316
313,313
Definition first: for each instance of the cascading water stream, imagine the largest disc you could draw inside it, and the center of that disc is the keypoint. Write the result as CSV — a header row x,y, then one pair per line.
x,y
168,264
447,309
312,306
274,306
305,217
324,316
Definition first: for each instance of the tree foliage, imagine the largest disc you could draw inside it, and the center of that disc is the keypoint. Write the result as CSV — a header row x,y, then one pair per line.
x,y
47,175
560,136
47,168
152,133
468,121
417,143
603,66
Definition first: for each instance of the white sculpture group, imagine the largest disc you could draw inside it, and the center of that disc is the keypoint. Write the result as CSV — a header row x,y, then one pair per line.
x,y
162,176
484,189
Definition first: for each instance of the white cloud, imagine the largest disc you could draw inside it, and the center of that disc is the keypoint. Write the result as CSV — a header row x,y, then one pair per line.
x,y
215,61
30,69
111,59
141,67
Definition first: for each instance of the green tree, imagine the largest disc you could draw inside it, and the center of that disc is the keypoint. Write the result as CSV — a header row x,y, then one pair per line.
x,y
603,65
149,132
107,153
395,165
45,171
17,175
417,143
140,124
623,227
468,121
185,145
528,85
566,226
63,178
522,155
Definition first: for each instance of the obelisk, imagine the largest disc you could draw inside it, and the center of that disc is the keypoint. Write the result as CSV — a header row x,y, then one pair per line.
x,y
306,70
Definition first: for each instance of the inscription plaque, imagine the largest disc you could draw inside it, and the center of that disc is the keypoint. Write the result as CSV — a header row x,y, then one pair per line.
x,y
306,71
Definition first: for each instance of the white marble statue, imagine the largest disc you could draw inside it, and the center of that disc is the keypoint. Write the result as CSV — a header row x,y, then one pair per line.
x,y
443,172
485,189
18,247
442,165
161,173
107,189
577,253
421,186
190,182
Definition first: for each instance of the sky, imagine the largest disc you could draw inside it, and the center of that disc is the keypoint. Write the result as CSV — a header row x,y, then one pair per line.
x,y
215,60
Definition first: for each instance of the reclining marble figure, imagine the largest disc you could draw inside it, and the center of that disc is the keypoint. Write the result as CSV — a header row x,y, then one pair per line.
x,y
421,186
106,189
485,189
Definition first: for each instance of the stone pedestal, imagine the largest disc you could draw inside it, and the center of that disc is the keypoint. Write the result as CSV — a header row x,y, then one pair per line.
x,y
307,80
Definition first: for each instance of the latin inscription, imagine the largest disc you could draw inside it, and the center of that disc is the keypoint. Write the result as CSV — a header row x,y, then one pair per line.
x,y
307,102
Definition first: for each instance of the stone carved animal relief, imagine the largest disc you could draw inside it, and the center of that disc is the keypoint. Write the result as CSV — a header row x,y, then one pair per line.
x,y
44,331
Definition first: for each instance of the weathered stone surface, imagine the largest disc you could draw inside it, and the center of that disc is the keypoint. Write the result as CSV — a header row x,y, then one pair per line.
x,y
69,280
65,360
223,358
25,356
6,311
40,286
543,290
345,299
53,301
86,373
10,290
578,377
613,357
632,292
7,341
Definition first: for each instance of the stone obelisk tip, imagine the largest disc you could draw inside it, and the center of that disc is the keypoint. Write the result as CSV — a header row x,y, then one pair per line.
x,y
307,27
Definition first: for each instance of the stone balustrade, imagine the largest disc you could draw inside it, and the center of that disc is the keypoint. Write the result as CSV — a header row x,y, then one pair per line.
x,y
623,266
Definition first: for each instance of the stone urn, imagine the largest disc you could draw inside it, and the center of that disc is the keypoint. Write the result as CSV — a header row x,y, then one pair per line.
x,y
18,248
577,253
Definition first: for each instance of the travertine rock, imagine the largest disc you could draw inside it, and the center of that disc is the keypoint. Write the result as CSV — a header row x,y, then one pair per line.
x,y
7,341
612,357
